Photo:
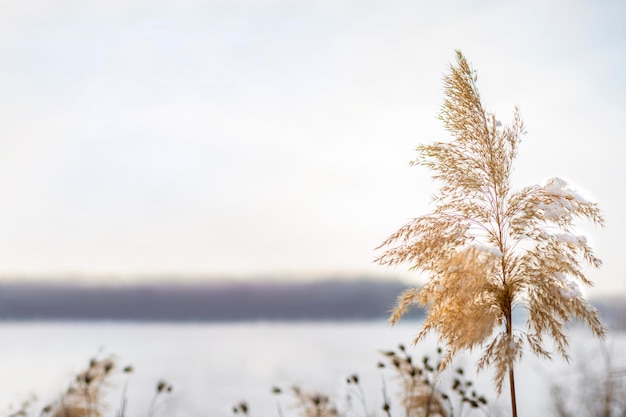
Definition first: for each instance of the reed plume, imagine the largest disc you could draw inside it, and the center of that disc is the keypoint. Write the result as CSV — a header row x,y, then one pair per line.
x,y
486,248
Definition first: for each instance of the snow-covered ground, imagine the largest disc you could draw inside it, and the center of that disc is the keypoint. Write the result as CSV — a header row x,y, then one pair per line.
x,y
213,366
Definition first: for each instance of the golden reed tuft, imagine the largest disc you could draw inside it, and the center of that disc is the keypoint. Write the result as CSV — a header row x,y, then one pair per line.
x,y
486,248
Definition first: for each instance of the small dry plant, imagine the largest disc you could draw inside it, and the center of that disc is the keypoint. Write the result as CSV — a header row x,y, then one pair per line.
x,y
420,392
418,395
593,390
486,248
309,403
86,394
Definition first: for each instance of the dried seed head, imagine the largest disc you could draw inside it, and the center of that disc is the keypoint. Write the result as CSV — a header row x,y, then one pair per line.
x,y
456,384
161,385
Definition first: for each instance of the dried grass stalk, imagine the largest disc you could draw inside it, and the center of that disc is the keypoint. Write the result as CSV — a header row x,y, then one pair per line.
x,y
84,396
487,248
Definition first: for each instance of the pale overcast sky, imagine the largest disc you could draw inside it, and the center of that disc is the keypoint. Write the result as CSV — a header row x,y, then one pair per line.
x,y
273,137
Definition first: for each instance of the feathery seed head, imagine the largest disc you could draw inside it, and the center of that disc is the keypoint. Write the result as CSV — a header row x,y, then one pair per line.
x,y
485,247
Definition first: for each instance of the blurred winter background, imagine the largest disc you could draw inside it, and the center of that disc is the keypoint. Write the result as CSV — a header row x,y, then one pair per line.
x,y
166,153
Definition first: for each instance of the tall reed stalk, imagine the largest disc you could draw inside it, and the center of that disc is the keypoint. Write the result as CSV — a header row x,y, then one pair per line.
x,y
486,249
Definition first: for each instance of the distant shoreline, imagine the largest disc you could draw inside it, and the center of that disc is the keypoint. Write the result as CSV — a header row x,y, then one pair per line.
x,y
332,300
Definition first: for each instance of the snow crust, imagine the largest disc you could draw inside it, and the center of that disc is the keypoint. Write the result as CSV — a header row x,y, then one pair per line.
x,y
567,286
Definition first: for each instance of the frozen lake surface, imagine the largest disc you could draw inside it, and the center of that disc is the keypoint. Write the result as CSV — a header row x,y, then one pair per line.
x,y
213,366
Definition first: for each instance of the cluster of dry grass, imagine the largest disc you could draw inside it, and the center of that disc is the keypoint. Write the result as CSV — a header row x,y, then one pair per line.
x,y
418,393
86,394
410,387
